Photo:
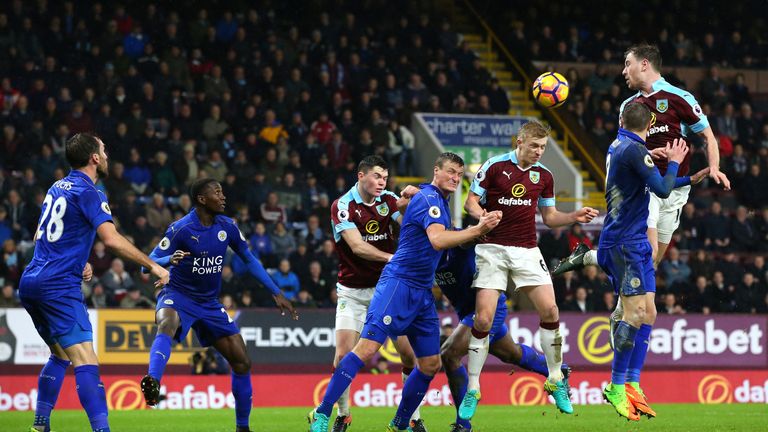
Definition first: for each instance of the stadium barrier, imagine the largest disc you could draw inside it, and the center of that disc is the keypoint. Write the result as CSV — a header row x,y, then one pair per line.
x,y
677,342
18,393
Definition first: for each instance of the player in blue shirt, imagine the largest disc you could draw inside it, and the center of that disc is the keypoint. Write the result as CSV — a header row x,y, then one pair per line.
x,y
403,303
73,213
454,277
624,252
195,246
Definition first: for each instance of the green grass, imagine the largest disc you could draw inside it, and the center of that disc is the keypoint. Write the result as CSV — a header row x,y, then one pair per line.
x,y
704,418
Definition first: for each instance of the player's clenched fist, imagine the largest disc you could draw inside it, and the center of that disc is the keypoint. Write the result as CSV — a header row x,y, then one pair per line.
x,y
586,214
178,256
489,221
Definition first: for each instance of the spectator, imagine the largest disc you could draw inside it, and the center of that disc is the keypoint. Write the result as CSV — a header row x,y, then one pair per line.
x,y
286,280
8,298
215,168
163,177
116,280
283,243
671,306
304,300
577,235
401,148
702,299
673,269
158,214
317,284
743,234
554,245
716,229
137,173
749,293
100,259
12,264
580,302
135,300
98,298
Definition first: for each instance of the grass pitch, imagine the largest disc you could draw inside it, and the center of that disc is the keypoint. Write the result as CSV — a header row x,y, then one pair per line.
x,y
709,418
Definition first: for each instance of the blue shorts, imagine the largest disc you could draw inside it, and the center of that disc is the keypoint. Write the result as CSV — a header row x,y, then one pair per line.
x,y
398,309
60,316
499,327
210,320
629,268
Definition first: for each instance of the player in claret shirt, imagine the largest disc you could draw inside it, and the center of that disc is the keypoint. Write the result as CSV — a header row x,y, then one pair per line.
x,y
515,184
195,246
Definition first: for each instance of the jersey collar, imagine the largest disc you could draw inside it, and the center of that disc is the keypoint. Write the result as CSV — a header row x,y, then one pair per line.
x,y
631,135
82,175
430,186
655,87
356,195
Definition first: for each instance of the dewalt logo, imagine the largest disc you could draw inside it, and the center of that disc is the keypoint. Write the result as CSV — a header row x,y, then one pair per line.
x,y
125,337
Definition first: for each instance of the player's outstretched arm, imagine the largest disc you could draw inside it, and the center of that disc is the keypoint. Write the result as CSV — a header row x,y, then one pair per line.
x,y
118,244
362,248
442,239
713,157
554,218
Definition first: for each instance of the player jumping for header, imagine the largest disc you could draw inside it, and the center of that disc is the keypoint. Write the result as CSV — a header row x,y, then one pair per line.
x,y
516,183
624,252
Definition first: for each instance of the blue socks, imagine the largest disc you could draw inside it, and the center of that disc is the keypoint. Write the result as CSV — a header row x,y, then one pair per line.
x,y
457,382
343,375
159,355
243,392
623,346
415,388
48,387
533,361
638,354
90,390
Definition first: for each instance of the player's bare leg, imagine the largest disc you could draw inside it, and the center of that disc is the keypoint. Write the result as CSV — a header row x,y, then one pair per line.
x,y
543,298
485,311
345,341
168,323
233,349
408,359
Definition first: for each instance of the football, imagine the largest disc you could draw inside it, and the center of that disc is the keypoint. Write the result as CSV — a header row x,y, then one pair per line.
x,y
550,89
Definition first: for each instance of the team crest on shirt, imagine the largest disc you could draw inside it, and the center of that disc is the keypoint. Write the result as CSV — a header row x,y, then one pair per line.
x,y
222,235
648,161
634,282
387,320
343,215
662,105
534,176
434,211
382,209
105,207
164,244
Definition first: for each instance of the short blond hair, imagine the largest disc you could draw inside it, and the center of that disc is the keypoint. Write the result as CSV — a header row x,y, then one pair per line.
x,y
533,129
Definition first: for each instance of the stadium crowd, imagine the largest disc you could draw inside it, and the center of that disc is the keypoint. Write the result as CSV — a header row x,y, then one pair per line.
x,y
278,105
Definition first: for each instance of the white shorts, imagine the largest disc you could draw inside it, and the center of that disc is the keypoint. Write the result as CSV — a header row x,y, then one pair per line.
x,y
497,264
664,214
352,307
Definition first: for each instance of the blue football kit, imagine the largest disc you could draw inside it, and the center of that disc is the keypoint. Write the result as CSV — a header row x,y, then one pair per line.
x,y
195,282
624,252
49,289
403,303
454,275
